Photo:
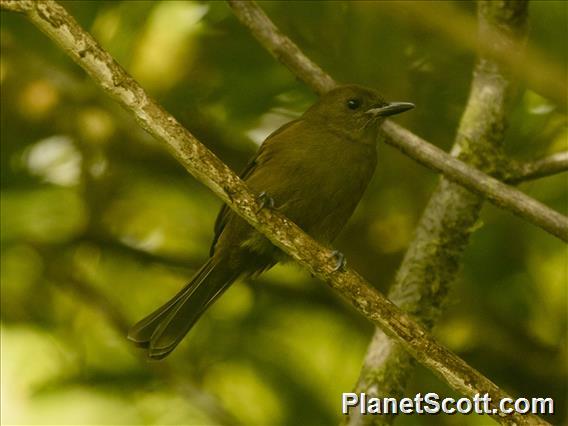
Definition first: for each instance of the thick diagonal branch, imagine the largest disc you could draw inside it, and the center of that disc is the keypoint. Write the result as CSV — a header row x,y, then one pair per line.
x,y
57,24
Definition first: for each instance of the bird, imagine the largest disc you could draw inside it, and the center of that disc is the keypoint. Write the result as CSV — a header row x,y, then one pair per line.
x,y
313,170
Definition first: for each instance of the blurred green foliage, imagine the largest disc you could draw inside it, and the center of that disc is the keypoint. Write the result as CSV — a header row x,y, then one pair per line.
x,y
100,225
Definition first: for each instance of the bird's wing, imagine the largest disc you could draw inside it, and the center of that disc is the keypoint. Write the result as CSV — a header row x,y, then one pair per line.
x,y
225,211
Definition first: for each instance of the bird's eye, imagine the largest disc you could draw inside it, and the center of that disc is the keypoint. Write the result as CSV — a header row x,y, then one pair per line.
x,y
353,103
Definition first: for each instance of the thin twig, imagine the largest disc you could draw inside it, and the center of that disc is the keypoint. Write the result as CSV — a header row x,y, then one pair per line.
x,y
547,166
57,24
457,171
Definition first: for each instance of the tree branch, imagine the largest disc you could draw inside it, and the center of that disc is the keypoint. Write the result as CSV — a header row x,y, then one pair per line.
x,y
432,261
501,195
457,171
58,25
547,166
281,47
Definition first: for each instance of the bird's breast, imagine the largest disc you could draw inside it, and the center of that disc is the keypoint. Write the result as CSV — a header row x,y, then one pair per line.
x,y
316,179
320,195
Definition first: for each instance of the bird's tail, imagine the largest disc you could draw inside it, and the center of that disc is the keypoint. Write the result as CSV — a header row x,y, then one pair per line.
x,y
162,330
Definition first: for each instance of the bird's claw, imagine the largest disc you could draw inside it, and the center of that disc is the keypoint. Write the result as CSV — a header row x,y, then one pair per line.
x,y
265,201
340,261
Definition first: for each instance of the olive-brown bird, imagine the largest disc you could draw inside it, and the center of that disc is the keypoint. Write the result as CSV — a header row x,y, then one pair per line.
x,y
314,170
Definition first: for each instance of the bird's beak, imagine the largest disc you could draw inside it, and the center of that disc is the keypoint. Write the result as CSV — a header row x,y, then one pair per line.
x,y
390,109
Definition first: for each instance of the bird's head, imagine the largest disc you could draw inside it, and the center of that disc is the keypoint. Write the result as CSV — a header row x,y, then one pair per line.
x,y
355,110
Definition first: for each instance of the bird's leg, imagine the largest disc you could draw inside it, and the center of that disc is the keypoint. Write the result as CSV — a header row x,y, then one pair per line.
x,y
340,261
265,201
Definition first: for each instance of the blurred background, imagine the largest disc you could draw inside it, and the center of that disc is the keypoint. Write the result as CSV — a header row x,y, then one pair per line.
x,y
99,225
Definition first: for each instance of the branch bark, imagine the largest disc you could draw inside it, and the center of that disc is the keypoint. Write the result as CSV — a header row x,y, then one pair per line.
x,y
57,24
503,196
547,166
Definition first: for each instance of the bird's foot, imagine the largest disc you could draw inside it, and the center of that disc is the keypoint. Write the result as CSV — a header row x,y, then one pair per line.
x,y
340,261
265,201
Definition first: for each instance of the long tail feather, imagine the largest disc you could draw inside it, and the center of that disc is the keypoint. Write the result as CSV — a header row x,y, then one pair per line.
x,y
163,329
